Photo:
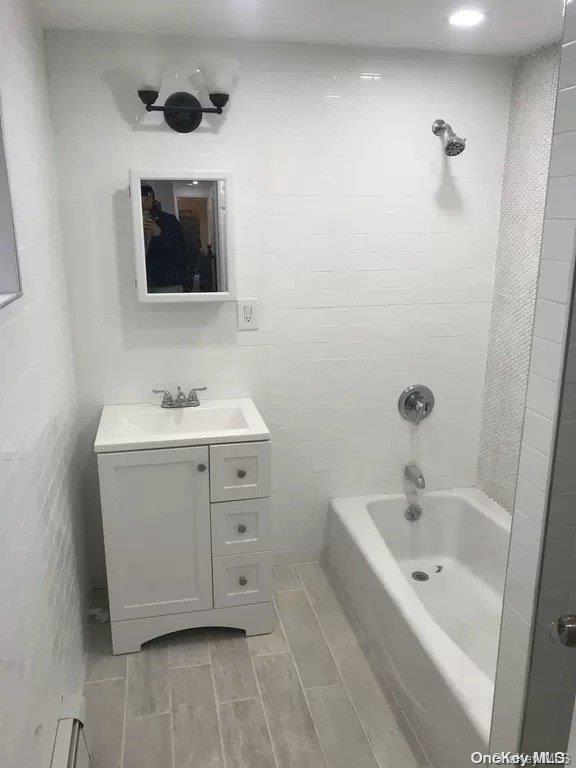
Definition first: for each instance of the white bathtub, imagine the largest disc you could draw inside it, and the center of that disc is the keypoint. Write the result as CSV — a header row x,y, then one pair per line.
x,y
436,640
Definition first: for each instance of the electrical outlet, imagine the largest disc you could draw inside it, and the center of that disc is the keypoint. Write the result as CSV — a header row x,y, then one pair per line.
x,y
248,314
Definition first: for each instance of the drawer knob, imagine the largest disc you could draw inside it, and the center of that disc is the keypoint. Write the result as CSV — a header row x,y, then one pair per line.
x,y
241,473
201,467
242,581
242,528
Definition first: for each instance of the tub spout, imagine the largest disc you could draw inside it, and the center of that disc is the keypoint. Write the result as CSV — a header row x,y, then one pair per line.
x,y
414,475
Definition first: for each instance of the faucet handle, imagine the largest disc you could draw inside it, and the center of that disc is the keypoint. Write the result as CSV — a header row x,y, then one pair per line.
x,y
167,398
193,396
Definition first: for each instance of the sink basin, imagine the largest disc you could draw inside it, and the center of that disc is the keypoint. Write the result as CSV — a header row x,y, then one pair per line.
x,y
141,426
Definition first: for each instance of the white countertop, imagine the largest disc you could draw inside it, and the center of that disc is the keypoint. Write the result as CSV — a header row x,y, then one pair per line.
x,y
144,425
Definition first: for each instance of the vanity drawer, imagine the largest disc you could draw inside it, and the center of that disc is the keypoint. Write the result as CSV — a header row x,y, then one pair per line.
x,y
239,527
242,579
239,471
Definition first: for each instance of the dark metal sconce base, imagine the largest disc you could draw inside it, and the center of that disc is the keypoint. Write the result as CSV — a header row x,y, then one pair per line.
x,y
182,111
184,121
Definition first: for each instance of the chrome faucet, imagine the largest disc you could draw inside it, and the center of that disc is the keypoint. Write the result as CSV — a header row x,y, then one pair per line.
x,y
414,475
180,400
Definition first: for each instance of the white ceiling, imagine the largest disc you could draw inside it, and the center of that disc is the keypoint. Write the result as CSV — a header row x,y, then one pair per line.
x,y
512,26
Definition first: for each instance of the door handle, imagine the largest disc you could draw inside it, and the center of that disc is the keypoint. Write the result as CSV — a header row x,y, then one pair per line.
x,y
564,629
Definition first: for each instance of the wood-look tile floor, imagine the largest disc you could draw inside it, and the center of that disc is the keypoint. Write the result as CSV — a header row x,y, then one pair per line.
x,y
305,696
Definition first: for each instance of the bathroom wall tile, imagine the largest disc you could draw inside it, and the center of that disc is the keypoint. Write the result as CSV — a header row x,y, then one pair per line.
x,y
569,24
342,289
538,431
510,680
531,500
561,198
558,237
520,596
524,567
542,395
526,533
547,359
550,320
566,111
555,282
534,466
41,537
562,162
567,77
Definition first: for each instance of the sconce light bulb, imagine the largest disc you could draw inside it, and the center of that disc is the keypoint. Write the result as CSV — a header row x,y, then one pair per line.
x,y
220,76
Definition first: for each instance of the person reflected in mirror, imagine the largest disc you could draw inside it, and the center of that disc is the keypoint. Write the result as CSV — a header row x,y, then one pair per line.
x,y
167,258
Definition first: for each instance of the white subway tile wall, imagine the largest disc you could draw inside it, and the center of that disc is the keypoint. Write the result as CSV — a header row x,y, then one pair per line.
x,y
371,252
549,675
41,646
516,272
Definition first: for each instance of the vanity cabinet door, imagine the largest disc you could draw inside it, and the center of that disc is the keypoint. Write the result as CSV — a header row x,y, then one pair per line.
x,y
156,514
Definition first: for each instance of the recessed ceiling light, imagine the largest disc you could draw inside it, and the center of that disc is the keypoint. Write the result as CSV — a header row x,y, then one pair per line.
x,y
466,17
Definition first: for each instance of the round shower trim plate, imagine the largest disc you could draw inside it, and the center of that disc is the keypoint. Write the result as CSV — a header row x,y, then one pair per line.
x,y
416,403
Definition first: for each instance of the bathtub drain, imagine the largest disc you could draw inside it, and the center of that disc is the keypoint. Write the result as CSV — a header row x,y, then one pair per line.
x,y
420,575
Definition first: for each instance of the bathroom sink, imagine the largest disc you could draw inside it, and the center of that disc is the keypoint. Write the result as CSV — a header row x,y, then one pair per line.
x,y
141,426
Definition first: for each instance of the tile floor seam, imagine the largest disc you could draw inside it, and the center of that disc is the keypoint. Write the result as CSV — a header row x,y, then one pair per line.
x,y
171,704
218,718
261,699
344,686
123,747
307,703
399,713
187,666
106,679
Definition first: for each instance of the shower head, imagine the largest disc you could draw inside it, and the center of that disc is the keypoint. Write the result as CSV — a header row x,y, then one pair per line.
x,y
453,145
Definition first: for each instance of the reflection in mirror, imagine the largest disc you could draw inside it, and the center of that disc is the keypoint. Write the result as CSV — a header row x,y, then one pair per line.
x,y
183,235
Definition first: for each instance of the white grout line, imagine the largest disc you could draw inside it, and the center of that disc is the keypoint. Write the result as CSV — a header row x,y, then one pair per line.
x,y
171,705
217,704
105,679
261,698
300,679
350,699
122,751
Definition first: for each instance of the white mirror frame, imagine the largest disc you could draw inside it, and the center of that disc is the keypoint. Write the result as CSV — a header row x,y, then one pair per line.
x,y
225,233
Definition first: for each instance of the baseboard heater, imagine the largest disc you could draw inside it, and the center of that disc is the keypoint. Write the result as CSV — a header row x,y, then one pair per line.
x,y
71,745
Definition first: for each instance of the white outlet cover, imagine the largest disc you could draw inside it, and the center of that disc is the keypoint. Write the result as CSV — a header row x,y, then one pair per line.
x,y
248,314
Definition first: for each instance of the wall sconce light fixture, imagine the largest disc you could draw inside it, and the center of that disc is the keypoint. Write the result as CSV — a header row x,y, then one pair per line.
x,y
182,111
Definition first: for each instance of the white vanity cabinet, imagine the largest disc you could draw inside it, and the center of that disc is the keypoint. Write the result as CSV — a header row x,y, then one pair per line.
x,y
157,531
187,538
